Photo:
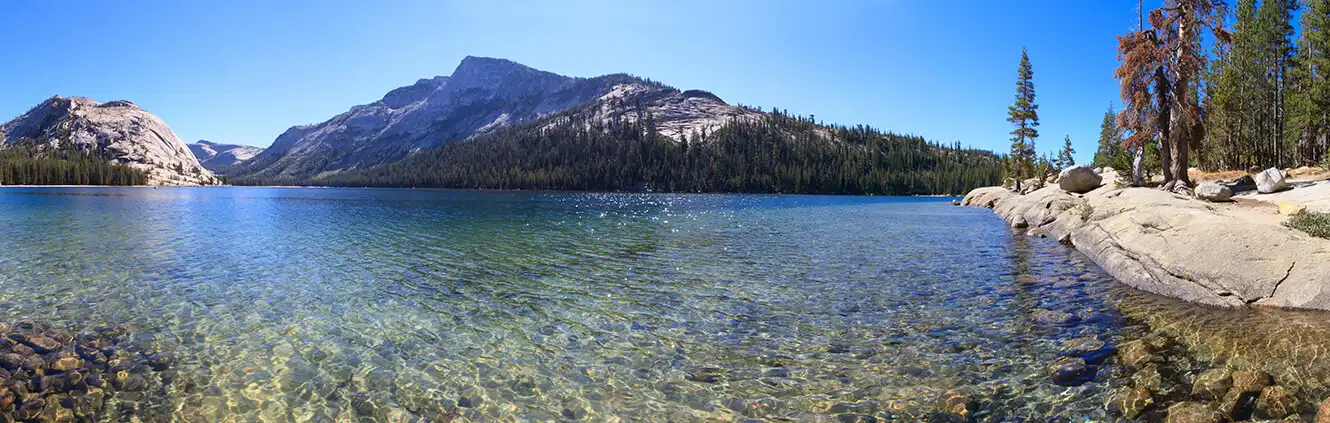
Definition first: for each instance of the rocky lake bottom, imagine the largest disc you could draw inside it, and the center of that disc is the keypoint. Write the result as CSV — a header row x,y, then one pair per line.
x,y
259,304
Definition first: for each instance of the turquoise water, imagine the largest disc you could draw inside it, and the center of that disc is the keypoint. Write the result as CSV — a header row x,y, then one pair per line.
x,y
419,305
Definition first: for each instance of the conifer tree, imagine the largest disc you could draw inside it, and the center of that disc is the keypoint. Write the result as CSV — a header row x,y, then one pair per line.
x,y
1065,160
1024,114
1110,152
1313,87
1160,79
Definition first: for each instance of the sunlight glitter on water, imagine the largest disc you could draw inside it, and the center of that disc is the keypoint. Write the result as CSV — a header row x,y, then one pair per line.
x,y
411,305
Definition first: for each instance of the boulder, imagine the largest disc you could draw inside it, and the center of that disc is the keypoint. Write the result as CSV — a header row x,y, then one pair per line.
x,y
1079,179
1271,180
1213,192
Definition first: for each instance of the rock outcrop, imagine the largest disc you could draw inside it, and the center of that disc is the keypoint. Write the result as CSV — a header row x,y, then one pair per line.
x,y
1176,246
118,130
221,157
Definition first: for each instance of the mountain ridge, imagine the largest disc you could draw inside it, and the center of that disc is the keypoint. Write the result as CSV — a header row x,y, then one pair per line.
x,y
219,157
481,94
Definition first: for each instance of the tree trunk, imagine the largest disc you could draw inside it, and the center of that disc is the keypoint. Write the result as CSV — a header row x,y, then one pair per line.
x,y
1307,144
1137,160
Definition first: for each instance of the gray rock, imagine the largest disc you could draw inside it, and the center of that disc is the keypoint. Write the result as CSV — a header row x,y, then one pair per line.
x,y
118,129
1160,242
1270,180
1079,179
1213,192
481,95
221,157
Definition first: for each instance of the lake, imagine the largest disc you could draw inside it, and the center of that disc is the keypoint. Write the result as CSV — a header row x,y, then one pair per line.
x,y
287,304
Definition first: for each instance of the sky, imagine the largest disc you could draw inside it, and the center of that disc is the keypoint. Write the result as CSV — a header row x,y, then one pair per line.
x,y
244,71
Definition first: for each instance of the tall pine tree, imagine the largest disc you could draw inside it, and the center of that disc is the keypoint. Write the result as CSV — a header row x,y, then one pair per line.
x,y
1024,114
1065,160
1312,88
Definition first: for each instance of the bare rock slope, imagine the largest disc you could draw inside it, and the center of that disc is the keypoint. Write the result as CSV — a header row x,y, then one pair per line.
x,y
1175,246
481,95
118,130
220,157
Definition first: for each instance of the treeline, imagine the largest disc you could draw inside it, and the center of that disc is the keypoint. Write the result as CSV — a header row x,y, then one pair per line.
x,y
1243,86
779,153
22,165
1266,93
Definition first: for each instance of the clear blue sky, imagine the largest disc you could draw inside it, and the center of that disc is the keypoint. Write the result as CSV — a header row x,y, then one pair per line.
x,y
243,71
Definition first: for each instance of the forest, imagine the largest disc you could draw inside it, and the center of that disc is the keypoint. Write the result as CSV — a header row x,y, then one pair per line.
x,y
1242,86
775,154
22,165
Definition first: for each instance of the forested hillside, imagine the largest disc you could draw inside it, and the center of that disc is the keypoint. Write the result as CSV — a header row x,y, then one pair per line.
x,y
21,165
778,153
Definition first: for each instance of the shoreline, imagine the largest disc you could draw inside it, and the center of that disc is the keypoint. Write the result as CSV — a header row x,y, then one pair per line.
x,y
937,196
1176,246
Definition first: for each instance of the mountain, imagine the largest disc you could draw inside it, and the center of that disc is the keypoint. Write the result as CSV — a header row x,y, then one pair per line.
x,y
219,158
497,124
481,95
117,131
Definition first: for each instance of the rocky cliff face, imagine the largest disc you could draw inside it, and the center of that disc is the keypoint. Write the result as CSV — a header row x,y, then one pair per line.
x,y
481,95
118,130
221,157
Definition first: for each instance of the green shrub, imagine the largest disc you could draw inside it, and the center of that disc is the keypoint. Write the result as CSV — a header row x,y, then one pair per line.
x,y
1314,224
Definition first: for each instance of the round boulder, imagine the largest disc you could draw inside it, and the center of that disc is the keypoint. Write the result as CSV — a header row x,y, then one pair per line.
x,y
1079,179
1213,192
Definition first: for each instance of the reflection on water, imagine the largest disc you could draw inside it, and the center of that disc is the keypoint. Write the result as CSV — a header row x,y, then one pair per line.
x,y
408,305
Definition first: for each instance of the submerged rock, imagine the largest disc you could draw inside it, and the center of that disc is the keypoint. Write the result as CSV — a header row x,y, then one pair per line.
x,y
1276,402
55,376
1192,412
1130,403
1136,354
1323,412
1211,384
1070,371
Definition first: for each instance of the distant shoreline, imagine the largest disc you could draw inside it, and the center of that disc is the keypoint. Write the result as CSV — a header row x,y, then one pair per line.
x,y
468,189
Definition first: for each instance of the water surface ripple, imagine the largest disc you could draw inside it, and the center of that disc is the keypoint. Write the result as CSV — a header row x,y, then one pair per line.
x,y
419,305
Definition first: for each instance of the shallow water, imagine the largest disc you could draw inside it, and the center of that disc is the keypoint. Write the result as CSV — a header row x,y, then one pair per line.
x,y
419,305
